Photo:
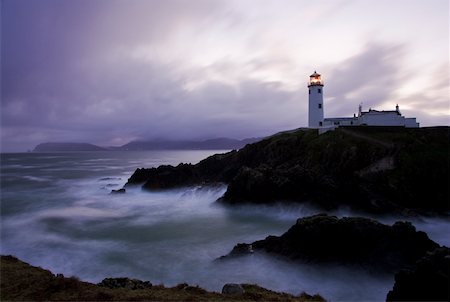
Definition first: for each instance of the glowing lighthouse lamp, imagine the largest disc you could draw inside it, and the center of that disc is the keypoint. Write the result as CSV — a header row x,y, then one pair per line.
x,y
315,87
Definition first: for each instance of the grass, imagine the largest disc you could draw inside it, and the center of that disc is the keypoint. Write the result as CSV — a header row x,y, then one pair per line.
x,y
22,282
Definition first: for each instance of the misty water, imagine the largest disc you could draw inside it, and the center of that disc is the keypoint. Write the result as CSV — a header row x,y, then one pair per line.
x,y
57,213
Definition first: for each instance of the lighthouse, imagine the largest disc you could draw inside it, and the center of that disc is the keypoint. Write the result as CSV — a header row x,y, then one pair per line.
x,y
315,87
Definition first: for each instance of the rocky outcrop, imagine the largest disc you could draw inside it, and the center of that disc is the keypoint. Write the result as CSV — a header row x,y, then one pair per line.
x,y
428,280
374,169
349,241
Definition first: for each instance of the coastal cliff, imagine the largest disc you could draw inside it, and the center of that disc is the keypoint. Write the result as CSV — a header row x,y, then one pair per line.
x,y
375,169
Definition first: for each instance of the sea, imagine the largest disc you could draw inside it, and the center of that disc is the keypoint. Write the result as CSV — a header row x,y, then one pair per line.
x,y
57,212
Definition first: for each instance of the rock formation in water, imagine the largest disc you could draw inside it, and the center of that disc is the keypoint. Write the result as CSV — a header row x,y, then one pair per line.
x,y
350,241
376,169
428,280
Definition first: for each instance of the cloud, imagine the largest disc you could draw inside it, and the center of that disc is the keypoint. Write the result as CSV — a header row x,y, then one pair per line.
x,y
107,72
368,77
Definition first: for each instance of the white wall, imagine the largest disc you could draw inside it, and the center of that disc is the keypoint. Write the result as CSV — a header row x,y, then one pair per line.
x,y
382,119
411,122
387,119
315,114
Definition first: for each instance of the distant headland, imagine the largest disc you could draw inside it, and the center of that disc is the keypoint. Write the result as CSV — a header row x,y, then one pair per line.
x,y
209,144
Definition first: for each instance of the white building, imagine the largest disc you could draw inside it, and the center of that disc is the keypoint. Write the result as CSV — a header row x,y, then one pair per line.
x,y
364,118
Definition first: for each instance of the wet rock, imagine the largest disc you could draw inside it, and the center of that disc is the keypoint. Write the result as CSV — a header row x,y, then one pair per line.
x,y
428,280
242,249
232,289
119,191
125,283
165,177
349,241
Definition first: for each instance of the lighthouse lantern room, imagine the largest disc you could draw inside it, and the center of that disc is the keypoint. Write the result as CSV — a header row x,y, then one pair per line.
x,y
315,87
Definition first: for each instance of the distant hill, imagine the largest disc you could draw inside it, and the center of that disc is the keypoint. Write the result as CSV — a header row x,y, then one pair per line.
x,y
66,147
210,144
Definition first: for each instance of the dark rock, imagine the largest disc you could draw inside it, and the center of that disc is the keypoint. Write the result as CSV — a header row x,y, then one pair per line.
x,y
428,280
125,283
119,191
165,177
232,289
242,249
349,240
140,176
374,169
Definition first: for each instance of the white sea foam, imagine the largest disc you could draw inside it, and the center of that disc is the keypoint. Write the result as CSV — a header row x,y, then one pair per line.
x,y
34,178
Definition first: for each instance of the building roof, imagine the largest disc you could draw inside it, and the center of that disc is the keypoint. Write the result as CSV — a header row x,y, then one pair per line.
x,y
336,119
372,111
315,74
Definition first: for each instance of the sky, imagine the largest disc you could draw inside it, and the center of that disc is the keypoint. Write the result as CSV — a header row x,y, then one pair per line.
x,y
111,71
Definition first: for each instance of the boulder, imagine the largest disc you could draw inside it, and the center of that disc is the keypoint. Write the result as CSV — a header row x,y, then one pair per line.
x,y
349,241
233,289
119,191
428,280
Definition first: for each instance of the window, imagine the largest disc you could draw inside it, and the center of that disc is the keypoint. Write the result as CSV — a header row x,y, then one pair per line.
x,y
320,106
309,91
320,124
319,90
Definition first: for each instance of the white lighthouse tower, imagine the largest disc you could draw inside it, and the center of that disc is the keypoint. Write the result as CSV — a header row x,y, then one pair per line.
x,y
315,87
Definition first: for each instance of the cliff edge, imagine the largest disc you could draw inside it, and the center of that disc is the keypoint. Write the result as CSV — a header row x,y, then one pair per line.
x,y
375,169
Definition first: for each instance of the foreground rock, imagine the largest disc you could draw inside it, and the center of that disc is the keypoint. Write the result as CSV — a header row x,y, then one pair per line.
x,y
349,241
233,289
23,282
427,281
376,169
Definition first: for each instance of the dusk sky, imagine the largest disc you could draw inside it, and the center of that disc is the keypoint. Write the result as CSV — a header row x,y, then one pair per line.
x,y
111,71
